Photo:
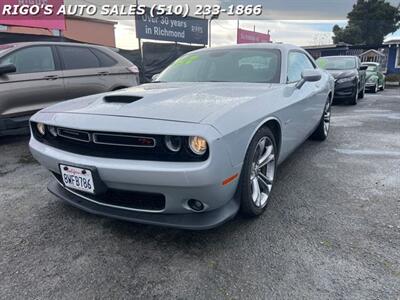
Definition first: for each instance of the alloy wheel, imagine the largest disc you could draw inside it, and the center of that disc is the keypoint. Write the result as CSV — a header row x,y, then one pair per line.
x,y
262,172
327,118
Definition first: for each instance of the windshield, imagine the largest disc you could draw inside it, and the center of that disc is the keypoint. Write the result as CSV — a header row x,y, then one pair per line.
x,y
372,68
232,65
336,63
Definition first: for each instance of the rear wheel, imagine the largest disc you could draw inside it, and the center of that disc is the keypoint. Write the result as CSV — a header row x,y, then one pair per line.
x,y
322,131
258,173
382,88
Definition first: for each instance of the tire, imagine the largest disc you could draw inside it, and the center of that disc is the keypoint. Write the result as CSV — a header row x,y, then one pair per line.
x,y
322,131
383,87
375,89
354,98
253,176
361,94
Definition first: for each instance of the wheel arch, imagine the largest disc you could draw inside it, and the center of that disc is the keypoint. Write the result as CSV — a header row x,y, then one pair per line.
x,y
275,126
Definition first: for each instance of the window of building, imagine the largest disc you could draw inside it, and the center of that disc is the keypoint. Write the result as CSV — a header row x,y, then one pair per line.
x,y
398,58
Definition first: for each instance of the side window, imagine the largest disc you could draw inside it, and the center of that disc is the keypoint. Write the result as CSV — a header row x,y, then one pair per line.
x,y
78,58
105,60
297,63
31,60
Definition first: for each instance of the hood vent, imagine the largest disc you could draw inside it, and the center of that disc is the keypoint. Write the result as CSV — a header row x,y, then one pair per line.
x,y
121,99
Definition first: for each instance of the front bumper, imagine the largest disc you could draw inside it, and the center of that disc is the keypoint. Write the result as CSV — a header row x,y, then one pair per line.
x,y
345,90
370,85
190,221
178,182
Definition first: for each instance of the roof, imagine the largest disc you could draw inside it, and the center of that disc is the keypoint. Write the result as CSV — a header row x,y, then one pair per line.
x,y
372,50
392,42
279,46
370,63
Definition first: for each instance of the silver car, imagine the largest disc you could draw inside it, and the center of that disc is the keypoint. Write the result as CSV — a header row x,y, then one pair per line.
x,y
192,148
36,75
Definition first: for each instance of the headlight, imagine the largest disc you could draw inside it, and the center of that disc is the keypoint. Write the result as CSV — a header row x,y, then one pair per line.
x,y
173,143
372,79
198,145
41,128
346,79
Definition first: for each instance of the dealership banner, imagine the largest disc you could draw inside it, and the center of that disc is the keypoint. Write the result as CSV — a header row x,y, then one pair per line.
x,y
247,36
32,13
172,28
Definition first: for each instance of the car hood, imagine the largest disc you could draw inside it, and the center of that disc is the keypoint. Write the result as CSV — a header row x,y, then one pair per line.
x,y
342,73
183,102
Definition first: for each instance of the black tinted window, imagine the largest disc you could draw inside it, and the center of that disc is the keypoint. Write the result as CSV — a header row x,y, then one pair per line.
x,y
105,60
78,58
31,60
297,63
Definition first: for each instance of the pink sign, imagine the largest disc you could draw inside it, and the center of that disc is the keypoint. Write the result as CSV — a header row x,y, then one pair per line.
x,y
246,36
20,13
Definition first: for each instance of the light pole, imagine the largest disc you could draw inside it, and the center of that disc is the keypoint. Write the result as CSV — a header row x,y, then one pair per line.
x,y
209,28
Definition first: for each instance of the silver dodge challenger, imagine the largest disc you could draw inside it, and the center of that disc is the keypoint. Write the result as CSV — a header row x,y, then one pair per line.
x,y
195,146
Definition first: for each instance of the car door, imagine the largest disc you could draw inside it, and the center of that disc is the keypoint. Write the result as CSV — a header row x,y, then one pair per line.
x,y
36,83
82,72
305,104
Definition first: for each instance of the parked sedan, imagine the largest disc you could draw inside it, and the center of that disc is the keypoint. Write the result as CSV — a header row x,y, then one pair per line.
x,y
193,148
36,75
375,77
349,74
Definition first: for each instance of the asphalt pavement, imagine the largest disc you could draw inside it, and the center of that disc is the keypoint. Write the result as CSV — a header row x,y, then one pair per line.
x,y
332,229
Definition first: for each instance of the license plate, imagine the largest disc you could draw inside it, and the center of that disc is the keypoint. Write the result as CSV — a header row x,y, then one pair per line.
x,y
77,178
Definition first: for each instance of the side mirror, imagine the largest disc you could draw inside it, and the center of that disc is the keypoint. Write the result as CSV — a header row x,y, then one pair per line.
x,y
6,69
155,77
363,68
311,75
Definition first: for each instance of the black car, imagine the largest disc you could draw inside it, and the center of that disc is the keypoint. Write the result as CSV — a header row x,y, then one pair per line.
x,y
349,74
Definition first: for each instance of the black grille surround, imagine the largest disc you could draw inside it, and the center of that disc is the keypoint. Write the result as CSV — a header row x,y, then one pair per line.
x,y
124,199
151,147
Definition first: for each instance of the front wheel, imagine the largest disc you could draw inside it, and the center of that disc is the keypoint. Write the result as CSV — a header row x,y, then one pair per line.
x,y
383,86
376,88
354,98
361,94
258,173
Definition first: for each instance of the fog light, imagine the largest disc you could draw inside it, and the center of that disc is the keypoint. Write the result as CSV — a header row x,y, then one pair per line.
x,y
41,128
196,205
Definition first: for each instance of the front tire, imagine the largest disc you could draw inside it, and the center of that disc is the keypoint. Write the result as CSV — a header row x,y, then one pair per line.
x,y
354,98
361,94
258,173
375,90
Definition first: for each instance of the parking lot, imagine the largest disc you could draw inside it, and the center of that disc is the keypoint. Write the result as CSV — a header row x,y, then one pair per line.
x,y
332,229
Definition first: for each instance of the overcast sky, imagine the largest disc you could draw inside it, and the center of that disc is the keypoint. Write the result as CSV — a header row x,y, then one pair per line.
x,y
301,22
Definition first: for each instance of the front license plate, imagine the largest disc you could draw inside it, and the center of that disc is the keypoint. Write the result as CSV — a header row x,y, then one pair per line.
x,y
77,178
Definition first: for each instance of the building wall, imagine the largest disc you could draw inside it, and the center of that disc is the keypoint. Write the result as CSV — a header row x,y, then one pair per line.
x,y
85,30
79,29
392,60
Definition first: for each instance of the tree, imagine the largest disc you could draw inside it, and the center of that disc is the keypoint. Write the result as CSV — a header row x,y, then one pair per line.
x,y
369,22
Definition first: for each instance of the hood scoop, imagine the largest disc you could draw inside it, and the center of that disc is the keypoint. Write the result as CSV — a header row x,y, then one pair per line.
x,y
121,99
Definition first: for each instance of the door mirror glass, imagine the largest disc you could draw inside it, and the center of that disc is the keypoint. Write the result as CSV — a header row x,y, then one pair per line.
x,y
155,77
6,69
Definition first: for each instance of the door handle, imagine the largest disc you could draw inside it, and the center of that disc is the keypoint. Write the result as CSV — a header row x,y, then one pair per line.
x,y
51,77
105,73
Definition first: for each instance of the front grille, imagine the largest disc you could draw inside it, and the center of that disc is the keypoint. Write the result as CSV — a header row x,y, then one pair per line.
x,y
114,145
126,199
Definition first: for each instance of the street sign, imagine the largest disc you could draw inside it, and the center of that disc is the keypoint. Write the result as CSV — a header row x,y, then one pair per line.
x,y
172,28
